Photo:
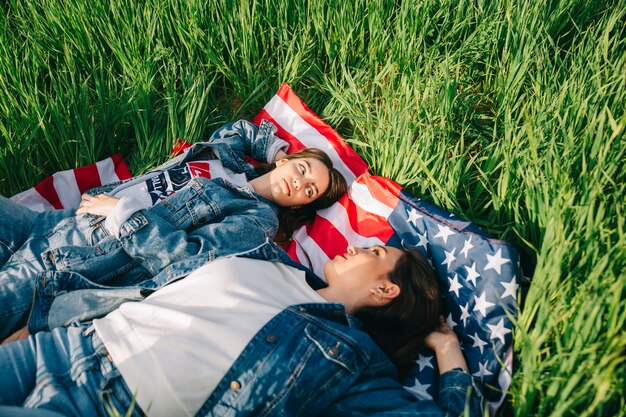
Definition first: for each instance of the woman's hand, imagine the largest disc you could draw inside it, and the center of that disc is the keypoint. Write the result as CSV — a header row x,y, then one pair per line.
x,y
100,205
446,345
18,335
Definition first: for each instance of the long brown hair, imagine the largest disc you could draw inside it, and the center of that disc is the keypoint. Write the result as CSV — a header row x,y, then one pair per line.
x,y
292,218
401,326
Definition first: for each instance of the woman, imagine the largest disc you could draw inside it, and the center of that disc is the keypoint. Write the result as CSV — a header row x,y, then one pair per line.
x,y
228,340
158,227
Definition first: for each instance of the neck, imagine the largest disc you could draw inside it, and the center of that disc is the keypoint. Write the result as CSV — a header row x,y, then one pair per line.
x,y
332,297
261,185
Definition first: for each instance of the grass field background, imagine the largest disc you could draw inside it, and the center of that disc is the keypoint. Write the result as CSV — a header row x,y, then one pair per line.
x,y
510,114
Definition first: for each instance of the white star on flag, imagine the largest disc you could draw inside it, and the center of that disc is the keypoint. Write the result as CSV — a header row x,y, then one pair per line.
x,y
451,323
424,361
496,261
510,288
467,246
482,371
472,274
413,216
449,257
499,330
482,304
444,232
423,241
455,285
478,342
464,314
419,390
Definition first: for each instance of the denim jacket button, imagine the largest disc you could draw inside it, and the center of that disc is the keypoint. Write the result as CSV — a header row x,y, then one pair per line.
x,y
235,385
271,338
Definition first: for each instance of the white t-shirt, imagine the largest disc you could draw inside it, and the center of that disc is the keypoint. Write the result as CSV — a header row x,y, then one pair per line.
x,y
173,348
157,186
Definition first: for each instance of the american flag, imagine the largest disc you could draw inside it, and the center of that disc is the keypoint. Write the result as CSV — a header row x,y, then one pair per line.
x,y
64,188
478,274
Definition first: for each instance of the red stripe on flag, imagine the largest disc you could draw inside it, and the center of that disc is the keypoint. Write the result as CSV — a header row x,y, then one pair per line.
x,y
87,177
382,189
292,252
121,170
179,147
46,189
328,238
346,153
366,223
294,144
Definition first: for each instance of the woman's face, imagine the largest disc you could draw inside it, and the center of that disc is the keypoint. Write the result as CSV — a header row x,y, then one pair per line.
x,y
297,182
361,268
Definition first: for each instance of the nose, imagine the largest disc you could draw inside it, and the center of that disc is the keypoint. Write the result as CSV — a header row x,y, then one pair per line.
x,y
301,182
353,250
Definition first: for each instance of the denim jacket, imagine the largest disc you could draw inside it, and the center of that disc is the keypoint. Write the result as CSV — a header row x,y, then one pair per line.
x,y
313,360
204,220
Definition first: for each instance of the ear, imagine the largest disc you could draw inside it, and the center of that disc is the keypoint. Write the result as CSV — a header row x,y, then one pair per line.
x,y
385,291
281,161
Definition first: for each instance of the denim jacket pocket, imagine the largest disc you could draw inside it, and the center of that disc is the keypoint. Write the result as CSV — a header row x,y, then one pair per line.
x,y
332,347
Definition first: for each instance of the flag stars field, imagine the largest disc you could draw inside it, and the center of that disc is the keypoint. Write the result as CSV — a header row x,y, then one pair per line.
x,y
496,261
510,288
444,232
455,286
424,362
413,216
499,331
466,247
420,390
482,371
472,274
449,258
478,342
482,304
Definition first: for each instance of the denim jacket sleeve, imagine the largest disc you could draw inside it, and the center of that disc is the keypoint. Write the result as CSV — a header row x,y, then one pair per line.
x,y
384,397
208,218
233,141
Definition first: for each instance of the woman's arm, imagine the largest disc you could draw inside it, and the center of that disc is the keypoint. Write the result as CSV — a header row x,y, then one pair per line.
x,y
243,138
447,348
210,219
384,396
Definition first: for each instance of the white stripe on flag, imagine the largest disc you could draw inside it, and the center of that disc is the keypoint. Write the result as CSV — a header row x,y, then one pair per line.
x,y
305,133
338,216
33,200
360,194
308,249
504,380
66,188
106,171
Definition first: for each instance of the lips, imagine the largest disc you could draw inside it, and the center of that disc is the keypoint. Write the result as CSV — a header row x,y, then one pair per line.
x,y
287,188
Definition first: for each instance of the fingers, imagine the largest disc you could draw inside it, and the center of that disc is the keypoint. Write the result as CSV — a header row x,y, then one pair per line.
x,y
100,205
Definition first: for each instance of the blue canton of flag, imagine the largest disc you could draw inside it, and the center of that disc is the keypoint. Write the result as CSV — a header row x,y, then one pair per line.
x,y
478,277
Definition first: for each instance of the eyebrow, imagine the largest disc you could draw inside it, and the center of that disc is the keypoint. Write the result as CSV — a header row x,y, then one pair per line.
x,y
317,192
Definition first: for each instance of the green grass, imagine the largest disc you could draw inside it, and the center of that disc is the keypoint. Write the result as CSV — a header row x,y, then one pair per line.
x,y
511,114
